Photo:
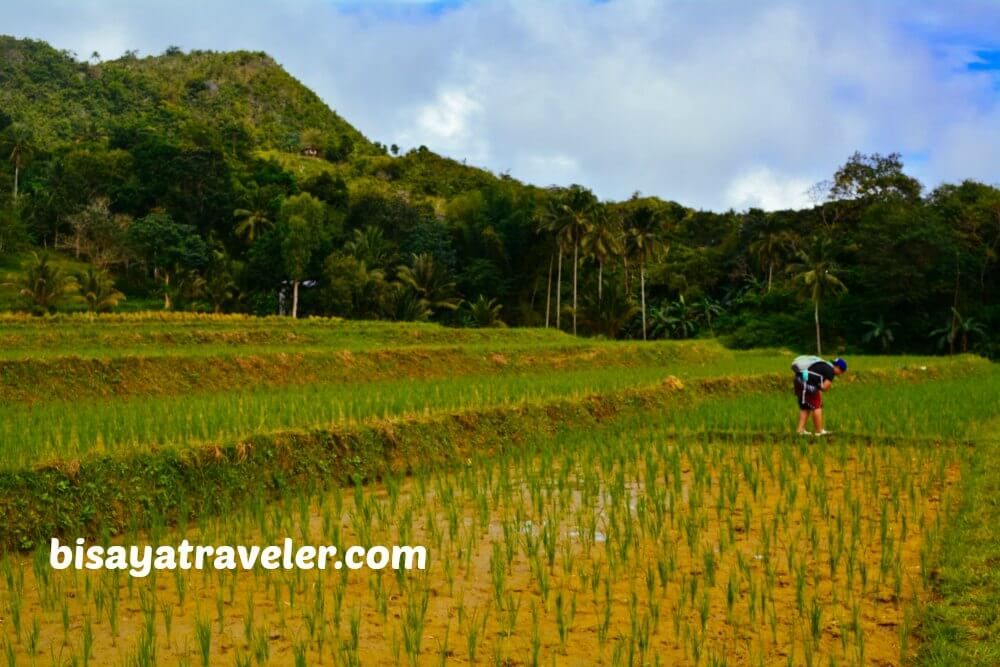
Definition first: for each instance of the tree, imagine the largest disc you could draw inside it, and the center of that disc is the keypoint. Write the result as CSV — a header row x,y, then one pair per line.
x,y
550,221
329,190
168,248
43,286
98,290
958,328
220,286
971,211
187,285
609,315
13,233
351,288
303,216
485,313
370,246
405,305
816,270
19,144
433,238
431,286
578,204
256,216
678,319
602,241
296,249
879,331
645,239
98,234
874,176
770,245
707,309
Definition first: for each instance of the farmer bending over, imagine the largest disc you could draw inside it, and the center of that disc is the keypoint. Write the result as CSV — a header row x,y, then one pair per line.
x,y
813,376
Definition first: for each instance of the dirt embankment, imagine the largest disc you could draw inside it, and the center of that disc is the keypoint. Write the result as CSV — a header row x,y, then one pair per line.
x,y
30,380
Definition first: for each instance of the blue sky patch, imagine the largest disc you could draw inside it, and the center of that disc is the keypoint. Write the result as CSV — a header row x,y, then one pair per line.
x,y
987,61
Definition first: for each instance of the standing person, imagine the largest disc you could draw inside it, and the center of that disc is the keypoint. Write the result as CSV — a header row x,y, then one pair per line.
x,y
813,376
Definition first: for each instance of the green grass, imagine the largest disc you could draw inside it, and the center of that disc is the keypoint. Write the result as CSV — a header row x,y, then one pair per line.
x,y
962,626
64,429
950,408
40,430
154,334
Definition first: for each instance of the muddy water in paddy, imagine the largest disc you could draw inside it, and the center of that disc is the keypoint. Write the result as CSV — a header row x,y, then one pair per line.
x,y
620,549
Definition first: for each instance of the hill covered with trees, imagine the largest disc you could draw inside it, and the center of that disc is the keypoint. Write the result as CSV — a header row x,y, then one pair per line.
x,y
216,181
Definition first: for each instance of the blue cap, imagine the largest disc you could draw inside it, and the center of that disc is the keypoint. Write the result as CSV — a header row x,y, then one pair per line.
x,y
841,364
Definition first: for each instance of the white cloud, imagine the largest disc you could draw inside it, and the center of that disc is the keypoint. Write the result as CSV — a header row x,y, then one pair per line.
x,y
447,118
761,188
712,103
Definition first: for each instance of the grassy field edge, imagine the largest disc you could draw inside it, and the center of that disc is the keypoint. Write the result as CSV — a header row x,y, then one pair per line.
x,y
961,626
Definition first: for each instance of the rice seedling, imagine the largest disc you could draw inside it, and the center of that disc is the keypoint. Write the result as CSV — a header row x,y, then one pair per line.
x,y
569,545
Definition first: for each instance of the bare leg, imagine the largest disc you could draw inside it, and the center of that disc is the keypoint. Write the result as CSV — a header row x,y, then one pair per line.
x,y
803,417
818,420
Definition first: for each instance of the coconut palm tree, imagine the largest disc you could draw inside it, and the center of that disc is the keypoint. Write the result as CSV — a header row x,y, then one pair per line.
x,y
17,141
220,285
42,285
257,217
770,246
428,283
602,241
645,239
370,246
98,290
186,285
578,205
609,316
550,222
816,273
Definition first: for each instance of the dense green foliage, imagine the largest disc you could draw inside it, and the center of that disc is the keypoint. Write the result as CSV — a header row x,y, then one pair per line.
x,y
216,182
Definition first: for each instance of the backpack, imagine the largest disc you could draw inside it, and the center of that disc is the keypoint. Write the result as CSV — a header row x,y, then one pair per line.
x,y
801,364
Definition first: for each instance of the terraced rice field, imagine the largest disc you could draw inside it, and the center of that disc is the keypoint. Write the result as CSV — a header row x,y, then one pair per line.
x,y
580,502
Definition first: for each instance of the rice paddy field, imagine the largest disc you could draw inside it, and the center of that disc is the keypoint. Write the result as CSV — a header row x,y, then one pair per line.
x,y
581,502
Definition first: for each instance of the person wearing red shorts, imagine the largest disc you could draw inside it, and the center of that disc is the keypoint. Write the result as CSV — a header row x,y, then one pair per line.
x,y
809,388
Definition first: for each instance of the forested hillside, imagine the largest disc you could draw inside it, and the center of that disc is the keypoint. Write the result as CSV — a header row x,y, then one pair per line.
x,y
216,181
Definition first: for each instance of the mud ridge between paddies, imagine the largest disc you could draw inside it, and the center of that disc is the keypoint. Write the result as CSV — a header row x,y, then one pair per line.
x,y
107,494
71,377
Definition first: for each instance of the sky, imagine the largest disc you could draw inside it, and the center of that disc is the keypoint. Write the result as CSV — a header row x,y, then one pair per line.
x,y
716,104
